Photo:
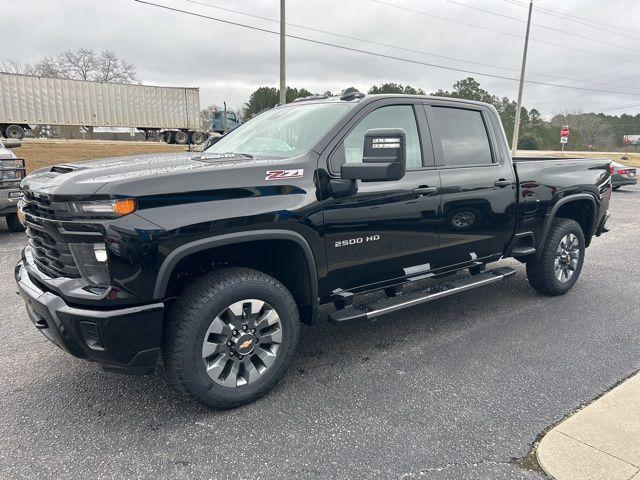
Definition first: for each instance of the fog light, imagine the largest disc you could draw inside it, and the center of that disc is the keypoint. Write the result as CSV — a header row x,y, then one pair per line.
x,y
100,252
91,260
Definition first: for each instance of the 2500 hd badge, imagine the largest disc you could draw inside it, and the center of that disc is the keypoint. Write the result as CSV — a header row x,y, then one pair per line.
x,y
356,241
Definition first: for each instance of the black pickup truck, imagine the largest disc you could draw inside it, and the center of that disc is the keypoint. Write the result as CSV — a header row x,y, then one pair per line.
x,y
211,261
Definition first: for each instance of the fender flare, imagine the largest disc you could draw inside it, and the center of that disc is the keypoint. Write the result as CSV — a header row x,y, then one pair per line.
x,y
172,260
552,215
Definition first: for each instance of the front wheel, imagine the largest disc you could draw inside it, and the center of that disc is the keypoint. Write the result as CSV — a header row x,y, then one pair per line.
x,y
230,337
562,257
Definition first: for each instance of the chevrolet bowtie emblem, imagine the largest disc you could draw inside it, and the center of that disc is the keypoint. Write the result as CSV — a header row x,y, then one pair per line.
x,y
245,344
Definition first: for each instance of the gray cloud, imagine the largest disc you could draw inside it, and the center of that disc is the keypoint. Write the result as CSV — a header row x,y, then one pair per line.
x,y
228,62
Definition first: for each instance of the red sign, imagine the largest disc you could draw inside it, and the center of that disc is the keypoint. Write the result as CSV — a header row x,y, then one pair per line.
x,y
564,132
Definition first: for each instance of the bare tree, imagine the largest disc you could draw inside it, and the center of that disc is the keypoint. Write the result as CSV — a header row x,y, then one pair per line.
x,y
111,69
79,64
206,116
11,65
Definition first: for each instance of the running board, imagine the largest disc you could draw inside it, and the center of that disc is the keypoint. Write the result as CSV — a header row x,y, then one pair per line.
x,y
387,305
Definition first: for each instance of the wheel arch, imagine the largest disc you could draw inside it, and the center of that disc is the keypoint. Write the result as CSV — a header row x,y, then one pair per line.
x,y
298,262
581,207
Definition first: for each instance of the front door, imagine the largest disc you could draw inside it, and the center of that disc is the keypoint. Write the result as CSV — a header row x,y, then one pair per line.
x,y
385,229
477,183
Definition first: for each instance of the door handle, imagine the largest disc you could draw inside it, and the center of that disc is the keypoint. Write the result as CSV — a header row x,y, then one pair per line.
x,y
424,190
502,183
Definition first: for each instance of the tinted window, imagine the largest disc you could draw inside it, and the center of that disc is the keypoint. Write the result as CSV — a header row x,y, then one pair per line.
x,y
283,132
394,116
463,136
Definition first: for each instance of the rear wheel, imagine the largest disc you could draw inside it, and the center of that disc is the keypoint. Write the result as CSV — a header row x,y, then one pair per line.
x,y
168,137
13,223
562,257
181,138
14,131
230,337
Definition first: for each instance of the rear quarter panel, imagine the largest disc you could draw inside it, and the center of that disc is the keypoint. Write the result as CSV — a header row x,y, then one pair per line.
x,y
543,183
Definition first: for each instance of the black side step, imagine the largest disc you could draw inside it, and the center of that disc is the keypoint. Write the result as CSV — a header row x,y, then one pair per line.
x,y
388,305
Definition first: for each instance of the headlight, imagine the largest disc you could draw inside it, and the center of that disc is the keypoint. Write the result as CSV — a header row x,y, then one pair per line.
x,y
18,163
103,208
11,177
91,260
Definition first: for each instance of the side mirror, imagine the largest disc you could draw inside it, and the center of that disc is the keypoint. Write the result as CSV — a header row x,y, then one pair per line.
x,y
384,157
11,143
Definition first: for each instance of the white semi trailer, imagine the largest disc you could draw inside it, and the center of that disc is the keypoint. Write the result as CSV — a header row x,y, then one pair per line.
x,y
27,101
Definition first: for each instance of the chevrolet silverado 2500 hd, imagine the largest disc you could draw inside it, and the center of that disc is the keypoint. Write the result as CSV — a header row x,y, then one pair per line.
x,y
211,261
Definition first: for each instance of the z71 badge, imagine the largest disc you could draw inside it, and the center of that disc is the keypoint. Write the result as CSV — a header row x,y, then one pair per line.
x,y
284,174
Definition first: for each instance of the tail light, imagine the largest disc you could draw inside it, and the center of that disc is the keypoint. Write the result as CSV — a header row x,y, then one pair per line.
x,y
624,171
612,169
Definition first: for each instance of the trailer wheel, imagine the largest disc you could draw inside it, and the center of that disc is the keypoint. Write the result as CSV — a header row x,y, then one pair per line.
x,y
168,137
197,138
14,131
181,138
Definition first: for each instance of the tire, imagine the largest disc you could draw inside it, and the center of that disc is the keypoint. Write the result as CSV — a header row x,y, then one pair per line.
x,y
14,131
543,274
201,320
181,138
13,223
197,138
168,137
462,219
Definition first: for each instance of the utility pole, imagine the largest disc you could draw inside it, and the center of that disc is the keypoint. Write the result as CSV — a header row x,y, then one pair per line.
x,y
516,126
283,83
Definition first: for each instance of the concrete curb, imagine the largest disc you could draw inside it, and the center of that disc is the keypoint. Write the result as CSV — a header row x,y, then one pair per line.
x,y
601,441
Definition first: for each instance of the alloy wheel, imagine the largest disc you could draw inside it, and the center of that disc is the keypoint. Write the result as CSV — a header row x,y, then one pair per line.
x,y
567,256
242,343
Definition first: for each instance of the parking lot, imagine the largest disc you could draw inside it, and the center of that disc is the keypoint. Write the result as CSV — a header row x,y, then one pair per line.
x,y
458,388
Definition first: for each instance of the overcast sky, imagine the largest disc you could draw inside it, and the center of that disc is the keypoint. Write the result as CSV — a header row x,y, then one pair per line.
x,y
228,62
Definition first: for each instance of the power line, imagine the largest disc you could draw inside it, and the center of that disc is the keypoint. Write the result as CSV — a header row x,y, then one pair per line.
x,y
373,54
473,25
583,21
387,45
584,37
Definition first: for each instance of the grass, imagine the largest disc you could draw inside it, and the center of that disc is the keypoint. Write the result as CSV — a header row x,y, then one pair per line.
x,y
43,153
633,159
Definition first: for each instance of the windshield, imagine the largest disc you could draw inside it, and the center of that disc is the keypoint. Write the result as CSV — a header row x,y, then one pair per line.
x,y
281,132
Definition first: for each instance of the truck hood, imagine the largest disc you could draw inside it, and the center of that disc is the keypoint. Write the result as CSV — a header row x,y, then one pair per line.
x,y
153,174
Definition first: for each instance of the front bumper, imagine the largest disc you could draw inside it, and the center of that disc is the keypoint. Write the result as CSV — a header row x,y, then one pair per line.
x,y
9,198
126,339
602,226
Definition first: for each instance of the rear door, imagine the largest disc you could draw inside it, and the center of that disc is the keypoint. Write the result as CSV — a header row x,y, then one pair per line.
x,y
386,229
478,184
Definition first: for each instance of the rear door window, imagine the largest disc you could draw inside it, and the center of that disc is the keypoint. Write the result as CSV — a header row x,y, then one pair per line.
x,y
463,135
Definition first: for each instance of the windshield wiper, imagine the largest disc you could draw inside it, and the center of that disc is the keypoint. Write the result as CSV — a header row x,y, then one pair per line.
x,y
226,155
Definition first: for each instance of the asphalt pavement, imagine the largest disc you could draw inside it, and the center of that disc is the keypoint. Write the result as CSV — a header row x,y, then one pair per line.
x,y
458,388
